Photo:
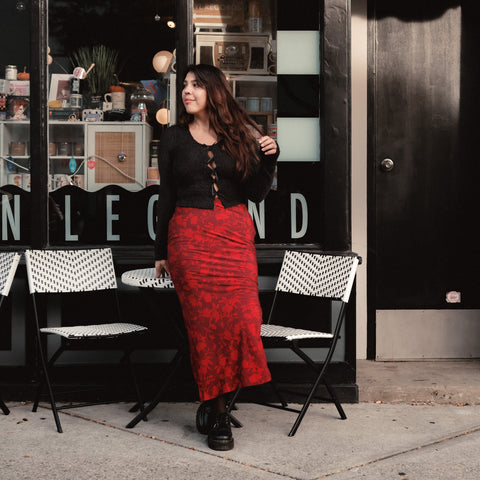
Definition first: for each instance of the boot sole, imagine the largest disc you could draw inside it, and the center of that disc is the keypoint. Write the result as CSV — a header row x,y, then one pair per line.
x,y
219,445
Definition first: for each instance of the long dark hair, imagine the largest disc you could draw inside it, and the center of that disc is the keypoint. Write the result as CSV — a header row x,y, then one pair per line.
x,y
236,131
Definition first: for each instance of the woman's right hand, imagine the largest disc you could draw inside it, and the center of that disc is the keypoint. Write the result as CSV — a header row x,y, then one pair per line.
x,y
161,268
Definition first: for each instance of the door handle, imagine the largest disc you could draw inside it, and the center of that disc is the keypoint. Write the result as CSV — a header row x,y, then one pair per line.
x,y
387,164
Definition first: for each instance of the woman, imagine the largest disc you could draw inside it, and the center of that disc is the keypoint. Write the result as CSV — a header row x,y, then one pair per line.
x,y
210,164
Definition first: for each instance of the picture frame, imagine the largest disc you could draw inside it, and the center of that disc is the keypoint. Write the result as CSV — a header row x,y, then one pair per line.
x,y
60,88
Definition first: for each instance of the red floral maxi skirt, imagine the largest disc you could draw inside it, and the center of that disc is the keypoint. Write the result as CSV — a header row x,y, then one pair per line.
x,y
213,265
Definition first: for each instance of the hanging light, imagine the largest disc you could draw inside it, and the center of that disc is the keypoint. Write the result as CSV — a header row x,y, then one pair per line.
x,y
161,61
163,116
171,24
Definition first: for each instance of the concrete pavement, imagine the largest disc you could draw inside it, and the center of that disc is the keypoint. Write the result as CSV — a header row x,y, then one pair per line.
x,y
402,440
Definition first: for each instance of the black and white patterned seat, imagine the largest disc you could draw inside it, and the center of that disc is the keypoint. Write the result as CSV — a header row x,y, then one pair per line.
x,y
145,277
105,330
8,267
327,276
290,333
70,272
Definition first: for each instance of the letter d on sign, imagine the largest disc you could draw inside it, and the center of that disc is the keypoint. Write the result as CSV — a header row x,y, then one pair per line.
x,y
294,197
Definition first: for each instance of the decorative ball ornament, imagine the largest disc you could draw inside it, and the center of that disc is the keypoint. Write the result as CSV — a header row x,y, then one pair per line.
x,y
72,165
161,60
122,156
163,116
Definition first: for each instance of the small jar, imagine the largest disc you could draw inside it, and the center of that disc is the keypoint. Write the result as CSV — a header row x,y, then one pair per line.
x,y
64,149
78,149
272,130
266,104
52,148
253,104
242,101
255,16
11,72
17,149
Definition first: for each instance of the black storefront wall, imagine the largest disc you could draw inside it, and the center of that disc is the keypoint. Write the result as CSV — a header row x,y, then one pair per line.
x,y
72,217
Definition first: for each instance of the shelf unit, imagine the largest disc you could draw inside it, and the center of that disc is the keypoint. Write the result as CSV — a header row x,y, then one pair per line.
x,y
90,155
258,87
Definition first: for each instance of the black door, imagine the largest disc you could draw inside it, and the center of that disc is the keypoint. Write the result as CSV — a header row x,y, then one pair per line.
x,y
423,153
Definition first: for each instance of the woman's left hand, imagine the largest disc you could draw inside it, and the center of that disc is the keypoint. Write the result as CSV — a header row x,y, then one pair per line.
x,y
268,145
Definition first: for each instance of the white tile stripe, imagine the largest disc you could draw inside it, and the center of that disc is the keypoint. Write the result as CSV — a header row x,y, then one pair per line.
x,y
299,139
298,52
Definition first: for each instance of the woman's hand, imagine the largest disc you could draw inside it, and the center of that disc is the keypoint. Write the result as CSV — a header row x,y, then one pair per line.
x,y
268,145
161,268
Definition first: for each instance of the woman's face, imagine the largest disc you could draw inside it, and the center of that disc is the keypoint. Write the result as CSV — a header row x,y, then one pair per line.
x,y
194,96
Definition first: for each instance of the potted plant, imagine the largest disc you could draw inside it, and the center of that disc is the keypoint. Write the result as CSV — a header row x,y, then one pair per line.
x,y
101,76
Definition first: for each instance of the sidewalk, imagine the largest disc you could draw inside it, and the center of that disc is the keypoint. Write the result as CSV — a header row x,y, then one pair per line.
x,y
403,436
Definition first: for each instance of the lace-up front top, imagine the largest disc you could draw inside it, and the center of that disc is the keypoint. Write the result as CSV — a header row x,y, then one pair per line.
x,y
193,175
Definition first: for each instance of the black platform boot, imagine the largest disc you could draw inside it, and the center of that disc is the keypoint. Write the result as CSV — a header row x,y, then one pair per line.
x,y
205,417
220,436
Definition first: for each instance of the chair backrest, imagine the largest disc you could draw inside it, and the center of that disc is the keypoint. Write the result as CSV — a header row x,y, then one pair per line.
x,y
8,266
318,275
63,271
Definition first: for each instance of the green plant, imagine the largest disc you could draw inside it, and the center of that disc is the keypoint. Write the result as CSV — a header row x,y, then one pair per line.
x,y
105,59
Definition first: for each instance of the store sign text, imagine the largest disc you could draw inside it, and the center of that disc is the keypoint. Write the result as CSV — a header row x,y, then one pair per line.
x,y
112,219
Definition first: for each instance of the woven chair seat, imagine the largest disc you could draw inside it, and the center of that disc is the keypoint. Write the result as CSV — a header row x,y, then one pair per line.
x,y
107,330
288,333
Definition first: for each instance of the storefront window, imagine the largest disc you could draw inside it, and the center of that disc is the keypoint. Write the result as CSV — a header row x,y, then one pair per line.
x,y
106,89
14,117
274,68
111,93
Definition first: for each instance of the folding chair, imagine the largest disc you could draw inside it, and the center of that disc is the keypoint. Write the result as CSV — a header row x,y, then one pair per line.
x,y
328,276
8,266
69,272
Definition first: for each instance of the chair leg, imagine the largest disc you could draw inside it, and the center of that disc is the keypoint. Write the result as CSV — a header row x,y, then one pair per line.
x,y
173,367
3,407
313,390
276,390
46,379
138,395
304,409
41,381
335,400
231,406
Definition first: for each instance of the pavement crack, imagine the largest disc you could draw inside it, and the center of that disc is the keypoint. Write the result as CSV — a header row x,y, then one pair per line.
x,y
403,452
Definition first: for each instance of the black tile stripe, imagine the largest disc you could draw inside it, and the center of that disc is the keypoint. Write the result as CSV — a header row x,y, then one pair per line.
x,y
298,96
299,15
